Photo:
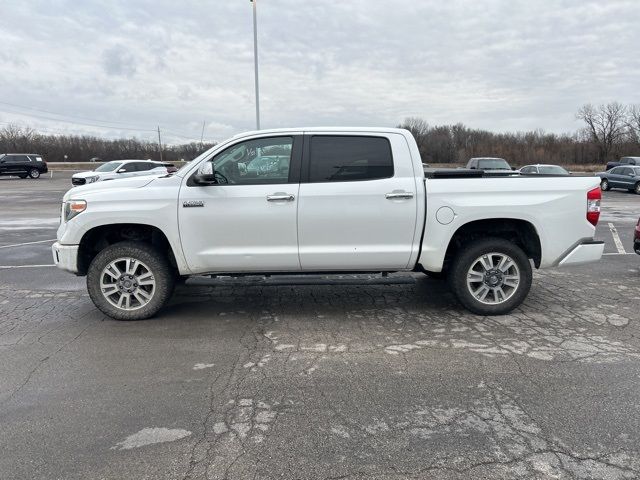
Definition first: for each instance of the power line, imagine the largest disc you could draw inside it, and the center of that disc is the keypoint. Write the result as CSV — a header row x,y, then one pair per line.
x,y
67,132
108,123
115,127
66,115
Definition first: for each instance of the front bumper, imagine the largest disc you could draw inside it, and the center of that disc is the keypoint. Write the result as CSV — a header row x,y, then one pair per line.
x,y
583,253
65,257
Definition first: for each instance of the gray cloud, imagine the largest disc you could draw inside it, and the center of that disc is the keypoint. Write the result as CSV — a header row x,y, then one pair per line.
x,y
117,60
496,64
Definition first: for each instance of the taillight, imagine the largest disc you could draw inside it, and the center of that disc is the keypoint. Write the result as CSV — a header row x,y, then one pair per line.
x,y
593,205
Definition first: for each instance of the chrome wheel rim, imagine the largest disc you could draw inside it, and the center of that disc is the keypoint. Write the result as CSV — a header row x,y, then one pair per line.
x,y
604,185
35,173
127,283
493,278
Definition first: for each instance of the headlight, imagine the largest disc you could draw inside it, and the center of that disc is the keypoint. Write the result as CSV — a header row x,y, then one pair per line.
x,y
92,179
73,208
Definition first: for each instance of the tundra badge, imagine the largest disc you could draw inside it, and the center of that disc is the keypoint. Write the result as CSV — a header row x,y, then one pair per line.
x,y
193,203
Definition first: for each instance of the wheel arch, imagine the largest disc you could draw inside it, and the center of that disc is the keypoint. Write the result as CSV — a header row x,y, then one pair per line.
x,y
521,232
100,237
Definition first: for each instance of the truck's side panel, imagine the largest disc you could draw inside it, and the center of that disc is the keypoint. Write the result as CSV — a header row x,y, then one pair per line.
x,y
367,224
556,209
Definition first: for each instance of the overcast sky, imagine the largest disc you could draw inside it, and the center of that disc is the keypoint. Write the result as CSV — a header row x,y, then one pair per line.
x,y
499,65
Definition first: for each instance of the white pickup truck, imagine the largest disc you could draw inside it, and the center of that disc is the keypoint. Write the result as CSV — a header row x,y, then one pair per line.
x,y
323,200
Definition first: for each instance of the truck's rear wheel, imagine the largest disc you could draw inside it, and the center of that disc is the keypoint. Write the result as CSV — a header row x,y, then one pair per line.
x,y
491,276
130,281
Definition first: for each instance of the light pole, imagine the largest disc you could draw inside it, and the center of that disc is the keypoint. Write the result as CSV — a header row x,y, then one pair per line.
x,y
255,61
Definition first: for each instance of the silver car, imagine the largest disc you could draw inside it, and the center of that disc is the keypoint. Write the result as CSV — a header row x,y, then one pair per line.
x,y
122,169
541,169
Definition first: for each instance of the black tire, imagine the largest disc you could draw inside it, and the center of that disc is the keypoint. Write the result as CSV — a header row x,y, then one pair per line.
x,y
465,260
604,185
436,275
34,173
636,189
158,266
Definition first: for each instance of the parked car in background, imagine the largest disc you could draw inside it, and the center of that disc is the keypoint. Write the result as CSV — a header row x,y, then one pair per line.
x,y
541,169
122,169
22,165
621,177
636,238
624,161
489,164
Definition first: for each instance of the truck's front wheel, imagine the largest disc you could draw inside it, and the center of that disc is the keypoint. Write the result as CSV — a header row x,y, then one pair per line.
x,y
491,276
130,281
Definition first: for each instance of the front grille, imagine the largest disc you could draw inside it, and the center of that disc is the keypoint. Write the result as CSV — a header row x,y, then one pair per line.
x,y
78,181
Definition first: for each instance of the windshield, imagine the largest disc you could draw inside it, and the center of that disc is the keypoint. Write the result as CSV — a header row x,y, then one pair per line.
x,y
108,167
493,164
552,170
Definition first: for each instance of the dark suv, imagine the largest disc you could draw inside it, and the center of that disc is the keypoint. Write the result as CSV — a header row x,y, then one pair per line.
x,y
22,165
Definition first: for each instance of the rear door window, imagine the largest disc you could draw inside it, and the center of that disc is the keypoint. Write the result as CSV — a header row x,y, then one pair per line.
x,y
349,158
144,166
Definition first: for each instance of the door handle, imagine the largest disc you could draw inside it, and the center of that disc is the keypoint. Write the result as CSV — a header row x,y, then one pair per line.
x,y
280,198
398,195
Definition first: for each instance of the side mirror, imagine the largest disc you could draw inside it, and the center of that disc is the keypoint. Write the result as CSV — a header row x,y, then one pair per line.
x,y
122,170
205,179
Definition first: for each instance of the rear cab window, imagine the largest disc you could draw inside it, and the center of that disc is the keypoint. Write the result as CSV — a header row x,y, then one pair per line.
x,y
346,158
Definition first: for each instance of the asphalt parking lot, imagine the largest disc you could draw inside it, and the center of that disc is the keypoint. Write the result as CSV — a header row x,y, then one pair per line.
x,y
324,377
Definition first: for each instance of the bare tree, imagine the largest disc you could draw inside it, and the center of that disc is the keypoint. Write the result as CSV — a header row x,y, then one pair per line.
x,y
420,129
633,123
606,125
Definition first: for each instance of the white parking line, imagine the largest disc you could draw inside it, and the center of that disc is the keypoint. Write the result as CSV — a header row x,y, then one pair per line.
x,y
616,238
618,253
7,267
28,243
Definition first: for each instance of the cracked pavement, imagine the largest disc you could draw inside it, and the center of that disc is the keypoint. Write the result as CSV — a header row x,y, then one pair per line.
x,y
353,377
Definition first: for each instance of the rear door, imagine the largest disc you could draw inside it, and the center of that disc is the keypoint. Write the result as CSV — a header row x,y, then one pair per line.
x,y
614,177
144,168
357,203
627,177
17,164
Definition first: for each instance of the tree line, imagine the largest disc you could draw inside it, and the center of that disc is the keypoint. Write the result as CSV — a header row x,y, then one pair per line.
x,y
610,131
82,148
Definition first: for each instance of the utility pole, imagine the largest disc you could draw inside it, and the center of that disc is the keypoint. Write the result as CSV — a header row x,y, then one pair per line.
x,y
202,135
255,61
159,143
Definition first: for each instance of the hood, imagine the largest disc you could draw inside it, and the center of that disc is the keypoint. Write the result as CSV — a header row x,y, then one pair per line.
x,y
119,184
89,173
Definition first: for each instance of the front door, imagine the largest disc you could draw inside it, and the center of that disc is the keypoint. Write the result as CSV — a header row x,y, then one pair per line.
x,y
247,221
358,203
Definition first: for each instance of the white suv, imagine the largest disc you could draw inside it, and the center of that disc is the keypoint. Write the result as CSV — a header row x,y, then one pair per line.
x,y
122,169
